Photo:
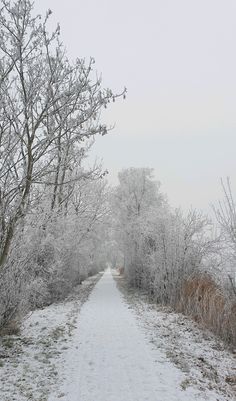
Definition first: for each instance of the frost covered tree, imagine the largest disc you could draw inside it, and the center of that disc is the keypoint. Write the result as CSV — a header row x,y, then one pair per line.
x,y
136,194
174,256
161,247
49,108
225,213
53,209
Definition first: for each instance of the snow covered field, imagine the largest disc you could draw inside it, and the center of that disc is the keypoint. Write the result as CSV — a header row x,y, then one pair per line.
x,y
115,348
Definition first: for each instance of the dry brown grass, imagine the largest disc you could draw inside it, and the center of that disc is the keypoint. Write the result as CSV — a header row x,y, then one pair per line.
x,y
206,302
11,329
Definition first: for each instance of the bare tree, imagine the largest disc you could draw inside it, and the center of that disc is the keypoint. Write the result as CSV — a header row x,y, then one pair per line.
x,y
225,214
49,107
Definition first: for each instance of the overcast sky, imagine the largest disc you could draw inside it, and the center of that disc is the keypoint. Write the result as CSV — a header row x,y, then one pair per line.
x,y
178,60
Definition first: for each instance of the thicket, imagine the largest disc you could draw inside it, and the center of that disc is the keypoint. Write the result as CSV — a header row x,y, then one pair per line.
x,y
178,260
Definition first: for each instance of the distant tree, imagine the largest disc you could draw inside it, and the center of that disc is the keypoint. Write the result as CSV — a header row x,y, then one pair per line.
x,y
136,192
134,198
161,247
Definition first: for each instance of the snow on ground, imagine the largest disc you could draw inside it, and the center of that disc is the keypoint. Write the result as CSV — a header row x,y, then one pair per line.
x,y
117,347
206,363
29,362
111,358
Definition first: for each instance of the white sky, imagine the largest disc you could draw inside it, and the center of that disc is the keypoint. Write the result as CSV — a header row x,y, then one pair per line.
x,y
178,61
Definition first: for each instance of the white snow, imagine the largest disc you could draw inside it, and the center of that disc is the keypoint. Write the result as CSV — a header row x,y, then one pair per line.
x,y
110,358
112,348
29,362
205,360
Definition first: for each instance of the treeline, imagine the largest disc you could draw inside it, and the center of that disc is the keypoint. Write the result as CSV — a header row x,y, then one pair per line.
x,y
52,208
178,260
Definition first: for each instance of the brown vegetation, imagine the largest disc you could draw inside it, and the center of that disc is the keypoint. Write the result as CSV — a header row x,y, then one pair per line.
x,y
11,329
205,301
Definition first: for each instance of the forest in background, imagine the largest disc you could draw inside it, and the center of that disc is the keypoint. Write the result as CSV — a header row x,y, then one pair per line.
x,y
60,221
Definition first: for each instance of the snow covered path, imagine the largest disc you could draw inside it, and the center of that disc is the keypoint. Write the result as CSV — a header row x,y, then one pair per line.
x,y
110,358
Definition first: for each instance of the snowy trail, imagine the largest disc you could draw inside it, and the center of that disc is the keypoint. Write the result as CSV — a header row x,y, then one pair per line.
x,y
110,358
